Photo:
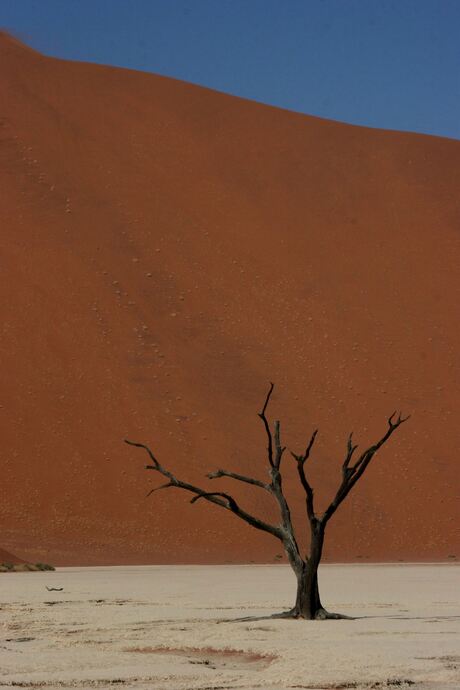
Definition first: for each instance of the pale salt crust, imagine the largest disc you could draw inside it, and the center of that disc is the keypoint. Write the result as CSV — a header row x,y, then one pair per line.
x,y
106,626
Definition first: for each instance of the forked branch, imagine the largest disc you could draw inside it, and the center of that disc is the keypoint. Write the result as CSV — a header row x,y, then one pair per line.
x,y
220,499
346,470
276,487
301,460
275,451
352,473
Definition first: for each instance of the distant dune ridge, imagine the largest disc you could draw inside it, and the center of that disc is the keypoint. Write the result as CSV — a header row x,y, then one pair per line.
x,y
166,251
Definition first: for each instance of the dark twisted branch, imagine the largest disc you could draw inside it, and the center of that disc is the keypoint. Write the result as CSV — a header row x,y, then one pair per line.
x,y
275,451
223,500
301,459
233,506
352,473
158,488
275,454
230,500
276,487
279,449
239,477
346,471
267,426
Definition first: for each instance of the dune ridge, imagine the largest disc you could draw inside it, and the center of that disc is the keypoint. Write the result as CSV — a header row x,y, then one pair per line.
x,y
166,251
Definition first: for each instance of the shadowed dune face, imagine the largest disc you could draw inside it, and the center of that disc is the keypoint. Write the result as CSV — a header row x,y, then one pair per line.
x,y
7,557
167,250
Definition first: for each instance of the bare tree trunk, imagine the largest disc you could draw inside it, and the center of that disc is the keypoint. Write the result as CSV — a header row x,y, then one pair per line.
x,y
308,603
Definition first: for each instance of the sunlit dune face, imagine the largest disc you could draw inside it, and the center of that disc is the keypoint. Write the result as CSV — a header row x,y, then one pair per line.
x,y
169,250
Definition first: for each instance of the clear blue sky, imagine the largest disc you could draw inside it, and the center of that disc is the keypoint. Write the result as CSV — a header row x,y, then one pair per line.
x,y
383,63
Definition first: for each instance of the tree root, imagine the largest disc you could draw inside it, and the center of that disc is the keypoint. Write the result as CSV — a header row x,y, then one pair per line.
x,y
292,614
251,619
322,615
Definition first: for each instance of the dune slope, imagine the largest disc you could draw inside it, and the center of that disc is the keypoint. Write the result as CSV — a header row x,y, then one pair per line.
x,y
166,252
7,557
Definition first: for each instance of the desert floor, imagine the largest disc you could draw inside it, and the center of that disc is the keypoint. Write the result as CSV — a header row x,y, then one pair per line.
x,y
173,627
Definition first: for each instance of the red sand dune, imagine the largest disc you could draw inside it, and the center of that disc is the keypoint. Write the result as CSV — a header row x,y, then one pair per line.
x,y
167,250
6,557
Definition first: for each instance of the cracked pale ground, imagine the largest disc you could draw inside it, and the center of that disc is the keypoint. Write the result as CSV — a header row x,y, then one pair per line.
x,y
170,627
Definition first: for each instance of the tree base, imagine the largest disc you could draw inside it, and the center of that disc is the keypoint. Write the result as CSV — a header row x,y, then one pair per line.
x,y
322,615
294,614
319,615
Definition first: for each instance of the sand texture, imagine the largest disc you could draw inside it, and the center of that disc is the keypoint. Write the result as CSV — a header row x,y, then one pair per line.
x,y
7,557
167,251
173,628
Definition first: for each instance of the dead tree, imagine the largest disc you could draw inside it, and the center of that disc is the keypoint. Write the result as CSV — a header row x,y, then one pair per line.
x,y
308,603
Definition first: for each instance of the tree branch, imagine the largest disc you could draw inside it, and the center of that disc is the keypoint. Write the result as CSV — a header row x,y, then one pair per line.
x,y
152,457
279,449
267,426
239,477
290,542
223,500
352,473
276,486
350,450
158,488
232,505
301,459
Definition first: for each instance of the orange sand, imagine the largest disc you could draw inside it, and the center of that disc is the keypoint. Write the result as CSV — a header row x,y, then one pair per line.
x,y
7,557
166,251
